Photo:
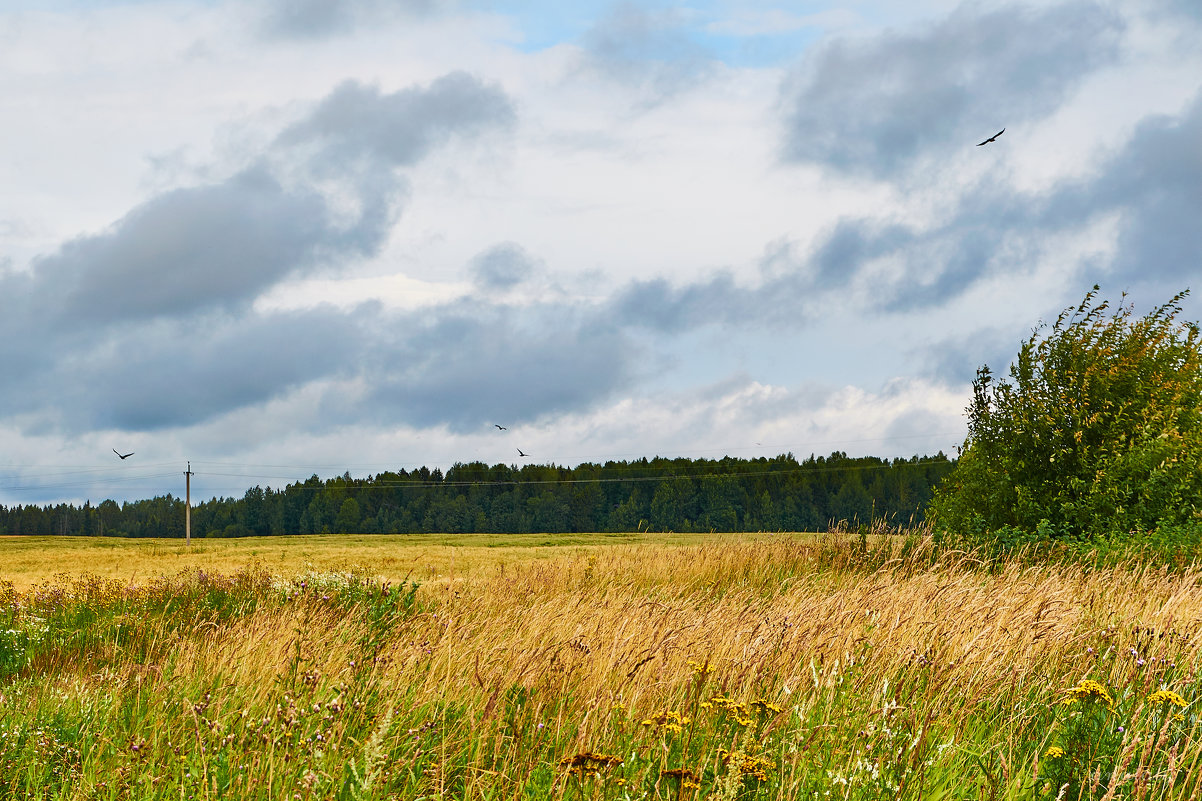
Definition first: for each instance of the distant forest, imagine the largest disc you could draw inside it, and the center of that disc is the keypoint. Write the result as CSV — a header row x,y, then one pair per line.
x,y
778,494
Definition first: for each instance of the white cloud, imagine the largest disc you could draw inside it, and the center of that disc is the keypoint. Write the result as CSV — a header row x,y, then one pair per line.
x,y
682,288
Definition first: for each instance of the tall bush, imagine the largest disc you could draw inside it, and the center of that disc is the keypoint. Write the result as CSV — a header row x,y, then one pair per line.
x,y
1098,430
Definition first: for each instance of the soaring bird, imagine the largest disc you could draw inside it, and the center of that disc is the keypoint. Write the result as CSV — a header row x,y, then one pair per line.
x,y
123,455
522,454
992,138
500,427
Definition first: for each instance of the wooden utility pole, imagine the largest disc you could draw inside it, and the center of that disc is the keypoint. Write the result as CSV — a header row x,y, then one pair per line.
x,y
188,506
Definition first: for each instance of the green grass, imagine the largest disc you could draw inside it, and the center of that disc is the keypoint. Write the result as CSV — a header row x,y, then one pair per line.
x,y
772,668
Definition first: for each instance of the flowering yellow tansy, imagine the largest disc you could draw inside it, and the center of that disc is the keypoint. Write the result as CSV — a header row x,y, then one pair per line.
x,y
1167,697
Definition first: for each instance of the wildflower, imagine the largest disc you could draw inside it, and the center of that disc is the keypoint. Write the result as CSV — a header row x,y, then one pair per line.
x,y
701,668
1167,697
1054,752
755,766
1090,689
740,711
669,720
589,762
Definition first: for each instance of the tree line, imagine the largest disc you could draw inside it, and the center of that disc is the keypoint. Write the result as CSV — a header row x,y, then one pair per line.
x,y
728,494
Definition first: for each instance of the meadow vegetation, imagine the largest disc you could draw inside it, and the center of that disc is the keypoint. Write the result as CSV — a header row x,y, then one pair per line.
x,y
850,667
1095,435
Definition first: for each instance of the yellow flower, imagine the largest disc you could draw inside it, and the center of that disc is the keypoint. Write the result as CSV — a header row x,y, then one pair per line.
x,y
1167,697
669,720
760,705
588,762
1090,689
1053,753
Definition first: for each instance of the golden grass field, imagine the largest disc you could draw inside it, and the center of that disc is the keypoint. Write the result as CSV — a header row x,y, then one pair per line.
x,y
26,561
779,667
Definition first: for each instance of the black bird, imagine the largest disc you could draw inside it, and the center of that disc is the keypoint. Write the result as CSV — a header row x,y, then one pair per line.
x,y
522,454
992,138
501,427
123,456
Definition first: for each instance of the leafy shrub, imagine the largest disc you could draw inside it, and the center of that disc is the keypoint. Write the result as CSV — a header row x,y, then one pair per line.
x,y
1098,431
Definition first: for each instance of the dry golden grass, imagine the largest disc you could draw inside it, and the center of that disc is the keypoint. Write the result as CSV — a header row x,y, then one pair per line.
x,y
968,664
26,561
763,610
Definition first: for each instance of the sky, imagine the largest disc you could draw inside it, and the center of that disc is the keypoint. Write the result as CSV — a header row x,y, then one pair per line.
x,y
277,238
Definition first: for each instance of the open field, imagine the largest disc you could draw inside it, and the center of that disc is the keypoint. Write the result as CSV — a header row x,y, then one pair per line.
x,y
780,667
26,561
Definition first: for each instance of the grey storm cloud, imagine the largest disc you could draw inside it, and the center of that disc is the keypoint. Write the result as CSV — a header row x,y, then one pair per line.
x,y
1156,183
115,327
317,19
875,107
198,248
193,249
1153,185
955,360
164,374
470,362
785,300
453,365
502,266
358,125
647,48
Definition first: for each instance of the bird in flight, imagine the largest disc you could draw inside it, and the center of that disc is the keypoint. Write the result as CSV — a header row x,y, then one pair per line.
x,y
500,427
992,138
123,456
522,454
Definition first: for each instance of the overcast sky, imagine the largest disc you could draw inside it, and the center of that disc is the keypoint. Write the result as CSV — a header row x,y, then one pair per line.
x,y
286,237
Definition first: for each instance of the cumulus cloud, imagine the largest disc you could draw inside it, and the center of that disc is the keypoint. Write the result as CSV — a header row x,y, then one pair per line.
x,y
648,49
451,365
503,266
172,374
1151,188
469,362
1155,182
359,126
191,250
317,19
876,106
150,323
